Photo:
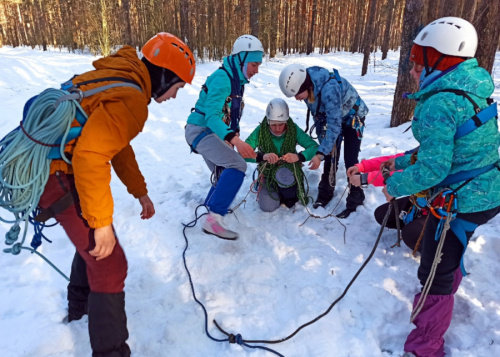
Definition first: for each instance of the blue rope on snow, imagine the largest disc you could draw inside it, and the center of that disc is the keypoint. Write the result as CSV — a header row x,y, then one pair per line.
x,y
238,339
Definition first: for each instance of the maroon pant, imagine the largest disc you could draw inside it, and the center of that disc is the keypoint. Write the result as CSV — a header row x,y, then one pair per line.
x,y
104,276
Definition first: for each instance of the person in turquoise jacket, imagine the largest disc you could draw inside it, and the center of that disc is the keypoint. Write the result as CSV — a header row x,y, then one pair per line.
x,y
280,166
213,130
454,153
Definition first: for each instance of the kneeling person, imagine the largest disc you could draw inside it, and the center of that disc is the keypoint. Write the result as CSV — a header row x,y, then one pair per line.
x,y
279,165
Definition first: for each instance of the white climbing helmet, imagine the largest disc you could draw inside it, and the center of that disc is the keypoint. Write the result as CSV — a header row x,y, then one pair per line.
x,y
277,111
291,78
451,36
247,43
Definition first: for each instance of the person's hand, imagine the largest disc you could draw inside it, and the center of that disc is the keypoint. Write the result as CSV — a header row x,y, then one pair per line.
x,y
104,242
388,197
290,157
148,208
314,163
355,180
271,158
351,171
244,149
391,164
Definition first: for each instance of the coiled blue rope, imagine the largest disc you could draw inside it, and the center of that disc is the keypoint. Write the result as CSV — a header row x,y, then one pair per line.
x,y
24,166
232,338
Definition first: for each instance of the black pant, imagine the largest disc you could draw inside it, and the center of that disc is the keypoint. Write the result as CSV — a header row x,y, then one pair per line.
x,y
352,146
451,252
78,289
409,232
288,195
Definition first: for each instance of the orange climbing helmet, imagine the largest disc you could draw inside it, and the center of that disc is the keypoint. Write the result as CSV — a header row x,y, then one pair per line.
x,y
168,51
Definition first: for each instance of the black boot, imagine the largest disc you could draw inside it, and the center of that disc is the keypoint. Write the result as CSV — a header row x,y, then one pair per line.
x,y
78,290
108,325
326,186
345,213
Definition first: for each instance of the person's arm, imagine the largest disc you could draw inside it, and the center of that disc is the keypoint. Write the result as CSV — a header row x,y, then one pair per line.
x,y
331,99
127,170
309,145
253,141
373,165
108,131
436,150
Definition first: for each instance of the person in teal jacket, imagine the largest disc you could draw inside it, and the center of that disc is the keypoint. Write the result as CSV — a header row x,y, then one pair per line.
x,y
454,153
280,165
212,129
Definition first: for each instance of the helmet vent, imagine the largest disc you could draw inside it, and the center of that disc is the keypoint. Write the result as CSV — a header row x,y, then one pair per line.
x,y
424,35
461,47
157,52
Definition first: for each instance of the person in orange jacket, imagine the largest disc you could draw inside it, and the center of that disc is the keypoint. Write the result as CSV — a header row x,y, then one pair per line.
x,y
115,117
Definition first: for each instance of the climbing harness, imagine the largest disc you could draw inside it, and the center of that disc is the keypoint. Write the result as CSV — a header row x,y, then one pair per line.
x,y
320,121
233,106
27,151
238,339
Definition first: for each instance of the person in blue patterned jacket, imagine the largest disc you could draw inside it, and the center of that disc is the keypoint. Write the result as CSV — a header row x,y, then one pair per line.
x,y
457,161
339,114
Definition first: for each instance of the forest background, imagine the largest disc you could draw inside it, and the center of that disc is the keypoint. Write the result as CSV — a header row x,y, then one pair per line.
x,y
209,27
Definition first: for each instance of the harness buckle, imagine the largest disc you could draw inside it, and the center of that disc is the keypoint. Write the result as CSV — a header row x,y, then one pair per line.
x,y
77,91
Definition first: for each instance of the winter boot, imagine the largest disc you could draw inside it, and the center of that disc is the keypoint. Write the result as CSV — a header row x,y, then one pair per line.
x,y
213,225
431,324
324,197
345,213
108,325
326,186
78,290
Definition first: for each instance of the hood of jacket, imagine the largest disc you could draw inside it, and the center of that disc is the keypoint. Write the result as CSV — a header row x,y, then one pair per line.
x,y
225,63
319,77
126,60
467,76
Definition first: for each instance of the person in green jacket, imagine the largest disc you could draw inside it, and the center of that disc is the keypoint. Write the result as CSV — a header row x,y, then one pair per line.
x,y
276,139
213,130
457,158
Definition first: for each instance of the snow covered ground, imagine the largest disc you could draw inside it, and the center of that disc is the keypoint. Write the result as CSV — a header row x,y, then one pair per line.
x,y
278,275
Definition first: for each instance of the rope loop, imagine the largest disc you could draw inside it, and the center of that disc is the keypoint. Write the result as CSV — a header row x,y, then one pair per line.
x,y
12,235
235,339
15,250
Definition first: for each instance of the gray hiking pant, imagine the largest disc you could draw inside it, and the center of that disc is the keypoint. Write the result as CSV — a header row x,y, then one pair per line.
x,y
215,151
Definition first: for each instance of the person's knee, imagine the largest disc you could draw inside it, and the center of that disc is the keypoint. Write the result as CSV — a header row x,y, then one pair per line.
x,y
238,163
266,207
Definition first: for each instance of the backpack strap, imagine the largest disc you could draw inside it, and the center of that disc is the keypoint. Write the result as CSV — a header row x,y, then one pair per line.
x,y
480,118
76,94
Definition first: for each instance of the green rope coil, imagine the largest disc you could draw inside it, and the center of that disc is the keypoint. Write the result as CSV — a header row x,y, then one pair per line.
x,y
266,145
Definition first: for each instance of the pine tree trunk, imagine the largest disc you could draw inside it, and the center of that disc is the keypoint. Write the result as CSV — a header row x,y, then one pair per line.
x,y
254,17
310,46
402,109
368,38
387,32
488,32
127,28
